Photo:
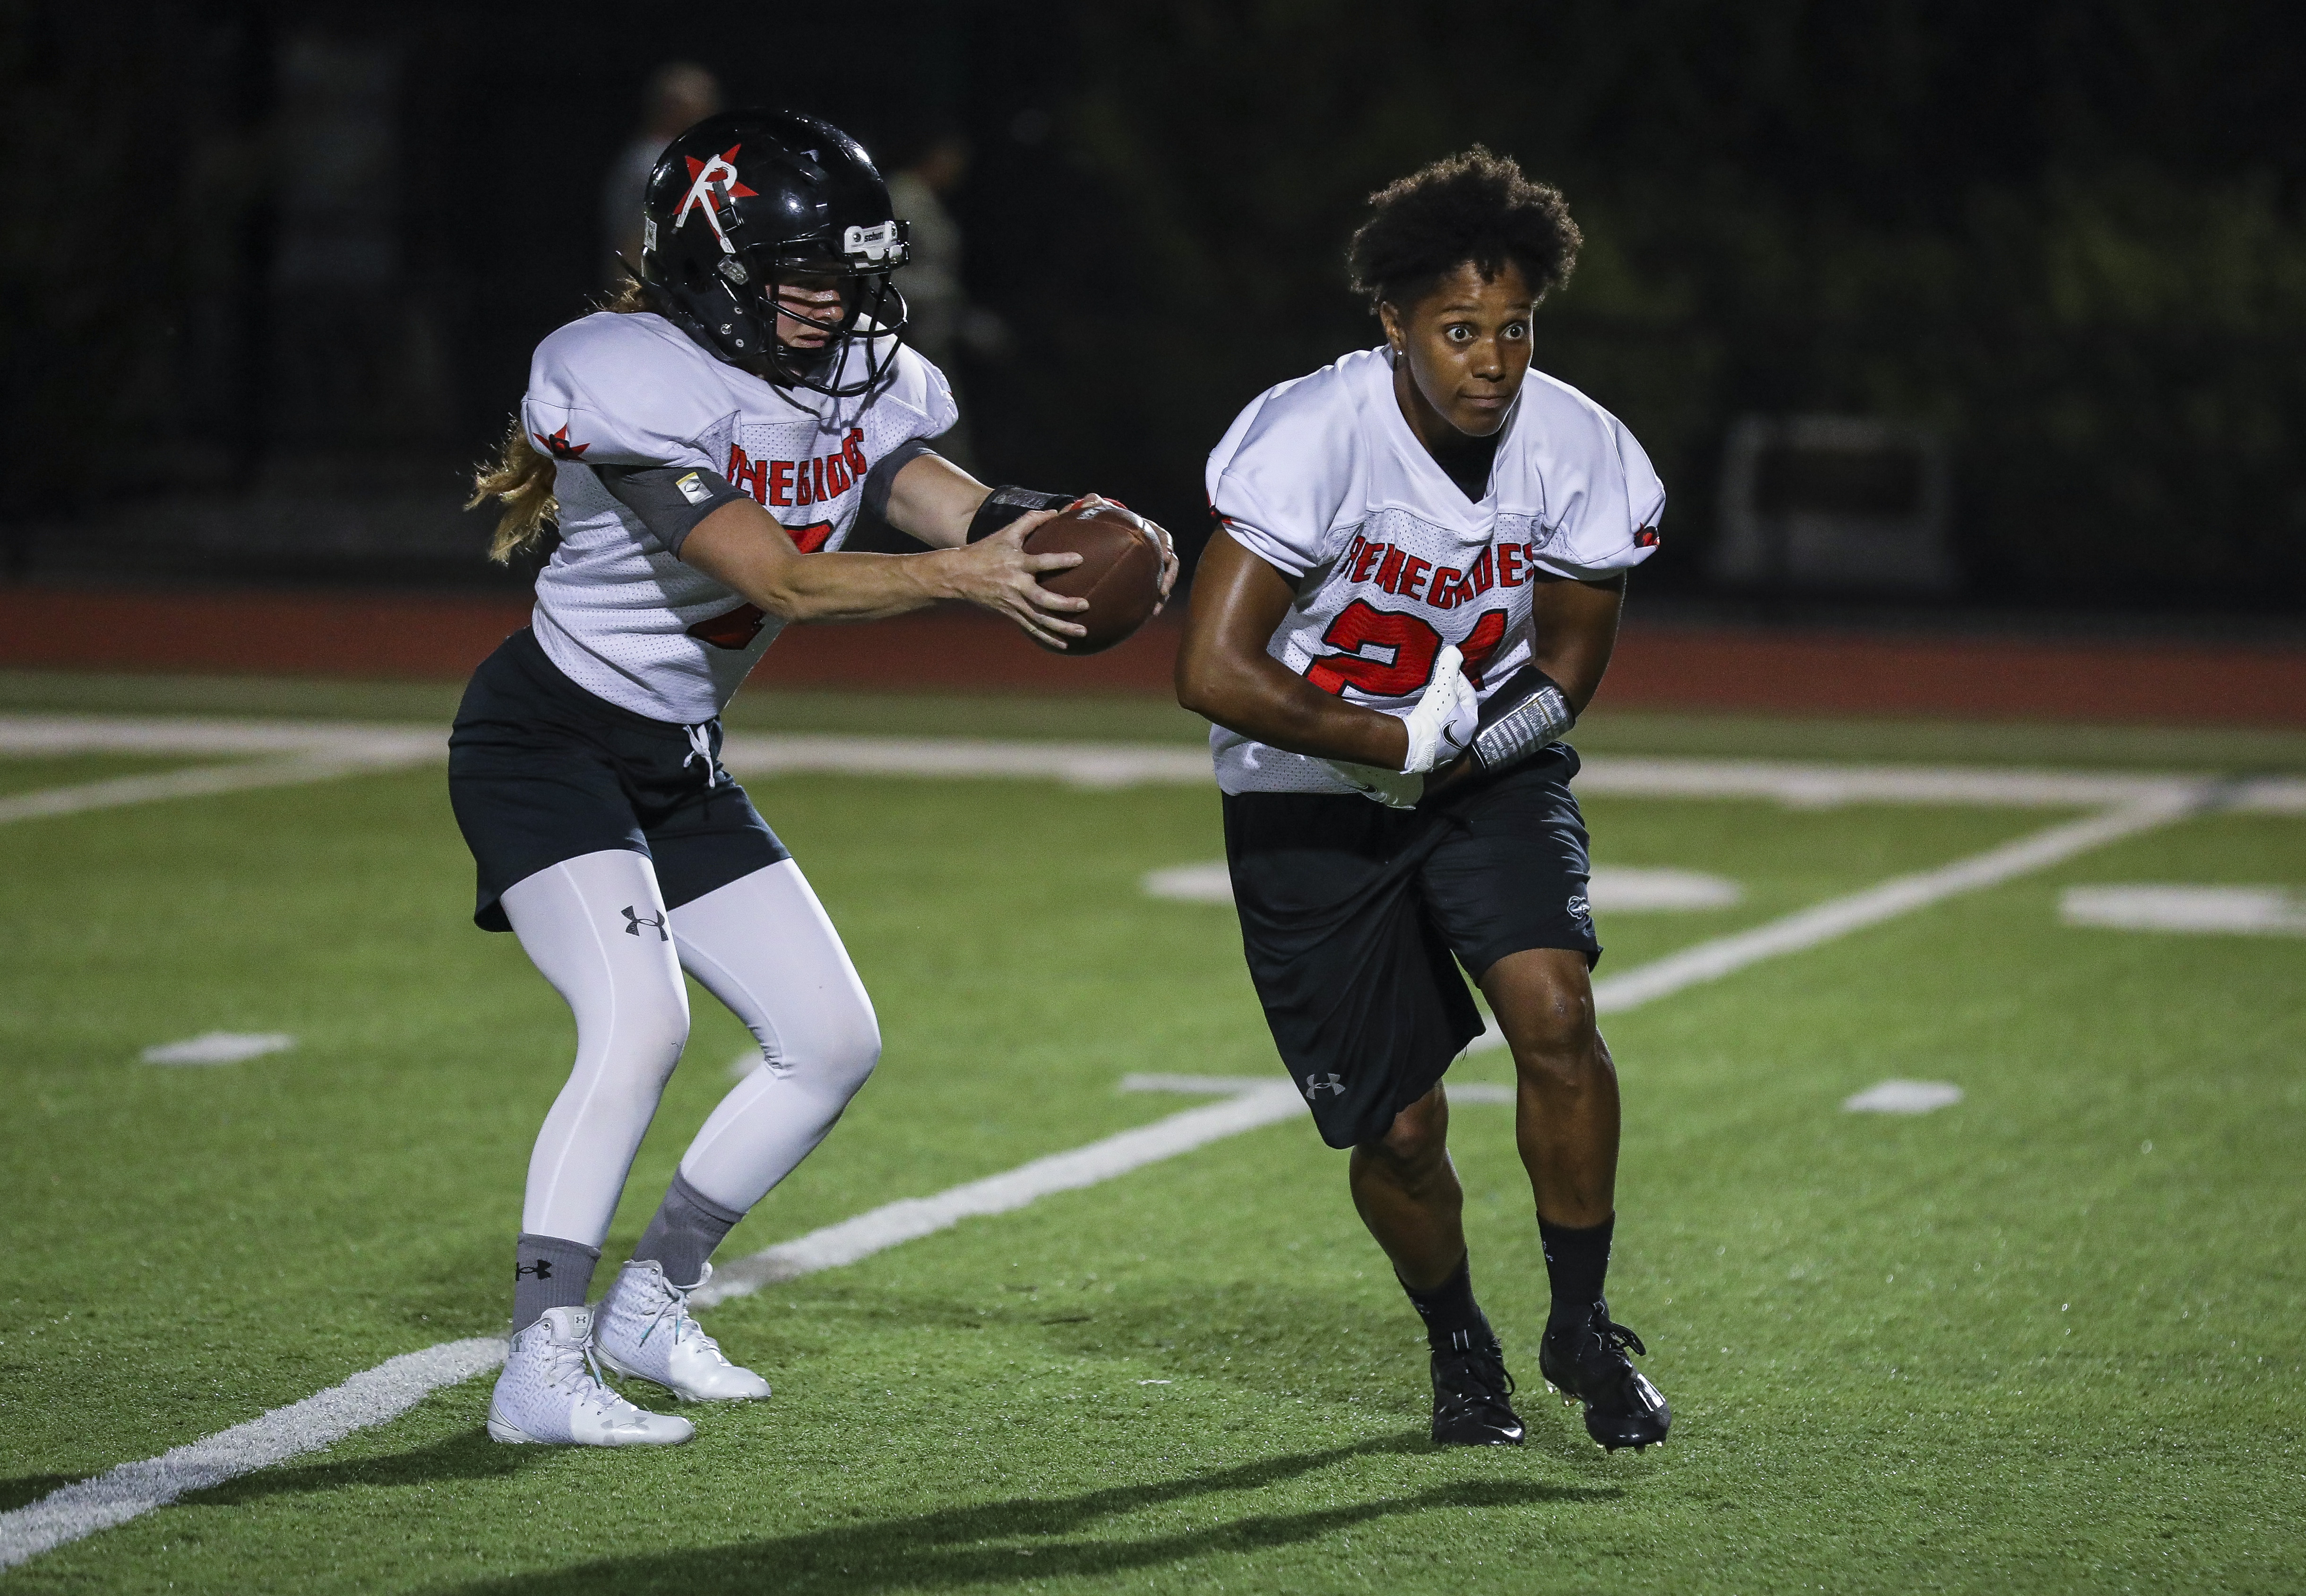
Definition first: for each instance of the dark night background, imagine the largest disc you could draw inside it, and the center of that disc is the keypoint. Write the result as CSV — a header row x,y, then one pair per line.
x,y
272,273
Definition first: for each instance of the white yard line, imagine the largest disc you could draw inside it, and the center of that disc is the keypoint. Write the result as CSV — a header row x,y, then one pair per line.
x,y
1839,917
199,780
1247,1105
134,1488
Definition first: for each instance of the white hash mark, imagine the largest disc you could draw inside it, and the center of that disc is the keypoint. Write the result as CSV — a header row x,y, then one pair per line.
x,y
1904,1097
220,1047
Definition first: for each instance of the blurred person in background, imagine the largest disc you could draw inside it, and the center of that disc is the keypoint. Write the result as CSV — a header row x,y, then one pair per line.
x,y
944,324
678,94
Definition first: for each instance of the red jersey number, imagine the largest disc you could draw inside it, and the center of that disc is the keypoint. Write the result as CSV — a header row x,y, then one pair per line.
x,y
1414,642
737,629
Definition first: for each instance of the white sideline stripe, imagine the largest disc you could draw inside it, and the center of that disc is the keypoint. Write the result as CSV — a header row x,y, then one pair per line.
x,y
1839,917
1802,784
133,1489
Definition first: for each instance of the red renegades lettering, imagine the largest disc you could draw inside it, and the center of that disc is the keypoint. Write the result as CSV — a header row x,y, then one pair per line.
x,y
1445,593
1412,576
1509,564
1389,573
746,473
1479,578
817,475
811,538
1360,625
801,483
853,451
1481,643
780,481
1366,560
1353,553
836,476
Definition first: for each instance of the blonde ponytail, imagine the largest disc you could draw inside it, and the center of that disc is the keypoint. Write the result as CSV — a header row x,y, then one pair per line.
x,y
519,478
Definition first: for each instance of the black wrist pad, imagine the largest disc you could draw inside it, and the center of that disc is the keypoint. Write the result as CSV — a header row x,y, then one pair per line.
x,y
1005,504
1528,711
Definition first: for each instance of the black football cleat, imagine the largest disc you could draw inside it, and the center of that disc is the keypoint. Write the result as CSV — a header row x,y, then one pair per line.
x,y
1471,1388
1589,1365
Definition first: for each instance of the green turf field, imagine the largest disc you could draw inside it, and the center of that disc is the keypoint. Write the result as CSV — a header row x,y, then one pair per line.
x,y
2047,1339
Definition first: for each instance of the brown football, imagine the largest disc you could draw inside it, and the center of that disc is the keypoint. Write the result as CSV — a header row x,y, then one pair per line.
x,y
1119,572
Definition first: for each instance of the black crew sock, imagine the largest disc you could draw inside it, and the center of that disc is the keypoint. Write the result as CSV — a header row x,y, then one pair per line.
x,y
1453,1319
1578,1263
550,1273
689,1226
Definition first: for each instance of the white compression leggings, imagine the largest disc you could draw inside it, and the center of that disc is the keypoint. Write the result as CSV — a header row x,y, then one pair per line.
x,y
596,926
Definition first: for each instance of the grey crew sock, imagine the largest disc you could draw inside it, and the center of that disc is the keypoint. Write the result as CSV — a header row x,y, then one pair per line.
x,y
550,1273
689,1226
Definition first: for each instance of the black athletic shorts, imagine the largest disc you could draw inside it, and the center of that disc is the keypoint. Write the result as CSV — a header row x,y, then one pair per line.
x,y
1350,913
542,771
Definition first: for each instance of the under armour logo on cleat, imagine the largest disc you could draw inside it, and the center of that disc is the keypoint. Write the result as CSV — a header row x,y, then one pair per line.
x,y
541,1268
634,922
1314,1089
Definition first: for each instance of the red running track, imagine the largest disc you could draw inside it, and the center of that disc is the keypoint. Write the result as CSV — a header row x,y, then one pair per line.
x,y
1657,667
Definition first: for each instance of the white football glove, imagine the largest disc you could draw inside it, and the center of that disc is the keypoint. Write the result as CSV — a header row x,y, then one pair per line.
x,y
1440,727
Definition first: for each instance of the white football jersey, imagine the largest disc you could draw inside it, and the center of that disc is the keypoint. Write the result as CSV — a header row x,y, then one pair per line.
x,y
615,610
1322,479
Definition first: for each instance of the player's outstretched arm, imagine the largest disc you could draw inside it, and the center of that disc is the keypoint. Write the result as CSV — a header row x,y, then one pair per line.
x,y
1224,674
936,501
741,545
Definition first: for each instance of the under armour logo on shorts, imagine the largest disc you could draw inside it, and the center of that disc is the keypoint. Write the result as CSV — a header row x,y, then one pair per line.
x,y
1314,1086
634,922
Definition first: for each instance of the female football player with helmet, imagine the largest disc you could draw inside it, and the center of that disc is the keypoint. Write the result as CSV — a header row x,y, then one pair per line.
x,y
1415,590
704,445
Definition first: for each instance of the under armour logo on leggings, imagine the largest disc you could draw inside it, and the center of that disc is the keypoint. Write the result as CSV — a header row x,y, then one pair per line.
x,y
634,922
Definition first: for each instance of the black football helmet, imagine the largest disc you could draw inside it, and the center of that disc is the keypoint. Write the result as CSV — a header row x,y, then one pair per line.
x,y
746,200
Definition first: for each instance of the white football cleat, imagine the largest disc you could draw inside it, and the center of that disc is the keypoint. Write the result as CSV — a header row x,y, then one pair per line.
x,y
645,1331
551,1393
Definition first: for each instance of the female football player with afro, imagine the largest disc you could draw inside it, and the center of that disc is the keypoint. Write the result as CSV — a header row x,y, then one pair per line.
x,y
705,444
1413,594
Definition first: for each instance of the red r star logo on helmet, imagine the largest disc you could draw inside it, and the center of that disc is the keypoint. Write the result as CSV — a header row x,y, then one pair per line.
x,y
703,177
559,447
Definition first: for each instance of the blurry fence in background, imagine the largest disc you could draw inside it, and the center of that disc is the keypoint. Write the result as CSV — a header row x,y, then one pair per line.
x,y
270,273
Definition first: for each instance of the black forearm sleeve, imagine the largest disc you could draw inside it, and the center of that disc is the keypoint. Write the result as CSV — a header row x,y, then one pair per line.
x,y
1528,711
670,499
1005,504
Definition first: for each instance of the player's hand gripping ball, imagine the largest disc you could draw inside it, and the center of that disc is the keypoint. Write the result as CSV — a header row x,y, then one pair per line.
x,y
1119,572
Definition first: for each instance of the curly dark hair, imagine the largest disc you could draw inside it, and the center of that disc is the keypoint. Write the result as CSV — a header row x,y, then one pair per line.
x,y
1472,209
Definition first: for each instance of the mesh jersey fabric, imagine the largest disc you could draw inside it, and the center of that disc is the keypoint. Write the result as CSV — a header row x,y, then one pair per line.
x,y
615,610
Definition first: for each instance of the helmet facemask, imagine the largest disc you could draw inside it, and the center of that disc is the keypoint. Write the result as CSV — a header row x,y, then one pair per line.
x,y
873,313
